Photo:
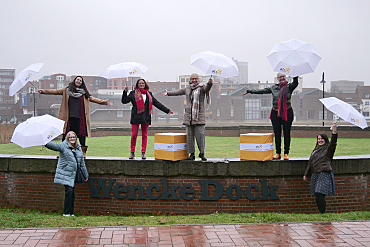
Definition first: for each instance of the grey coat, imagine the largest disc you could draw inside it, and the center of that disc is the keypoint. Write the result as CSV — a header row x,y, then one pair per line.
x,y
67,165
187,91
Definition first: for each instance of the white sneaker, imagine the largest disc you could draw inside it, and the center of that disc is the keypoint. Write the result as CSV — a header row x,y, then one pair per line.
x,y
72,215
67,215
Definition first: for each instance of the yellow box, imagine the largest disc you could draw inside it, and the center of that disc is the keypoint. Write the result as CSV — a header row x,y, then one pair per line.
x,y
170,146
256,146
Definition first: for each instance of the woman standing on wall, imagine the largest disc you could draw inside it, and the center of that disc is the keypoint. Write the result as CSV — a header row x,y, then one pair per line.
x,y
322,179
281,112
75,109
70,157
142,108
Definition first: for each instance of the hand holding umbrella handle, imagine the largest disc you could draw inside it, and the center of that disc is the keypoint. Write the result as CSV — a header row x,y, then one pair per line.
x,y
126,87
334,127
248,91
165,93
170,112
40,91
210,81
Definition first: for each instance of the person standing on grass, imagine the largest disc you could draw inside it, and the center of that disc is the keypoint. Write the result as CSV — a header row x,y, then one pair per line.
x,y
281,112
322,179
194,117
142,108
70,153
75,109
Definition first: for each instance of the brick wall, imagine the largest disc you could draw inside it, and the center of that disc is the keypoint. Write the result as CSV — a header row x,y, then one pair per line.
x,y
248,186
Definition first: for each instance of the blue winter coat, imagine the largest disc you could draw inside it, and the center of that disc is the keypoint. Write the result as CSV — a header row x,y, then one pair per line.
x,y
67,166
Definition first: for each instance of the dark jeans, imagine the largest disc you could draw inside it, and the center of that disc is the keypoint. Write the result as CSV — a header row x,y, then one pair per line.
x,y
69,200
287,125
74,125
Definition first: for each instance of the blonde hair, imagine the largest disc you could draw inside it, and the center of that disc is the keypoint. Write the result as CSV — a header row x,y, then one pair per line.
x,y
193,74
74,145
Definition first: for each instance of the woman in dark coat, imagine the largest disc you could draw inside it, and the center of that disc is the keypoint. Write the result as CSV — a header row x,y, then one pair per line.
x,y
142,108
281,112
322,179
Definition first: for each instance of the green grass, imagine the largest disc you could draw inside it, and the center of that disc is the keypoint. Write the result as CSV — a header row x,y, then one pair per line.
x,y
23,218
216,147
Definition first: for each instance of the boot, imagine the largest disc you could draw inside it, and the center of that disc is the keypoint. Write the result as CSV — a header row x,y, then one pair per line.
x,y
201,155
143,155
191,157
132,155
84,149
286,157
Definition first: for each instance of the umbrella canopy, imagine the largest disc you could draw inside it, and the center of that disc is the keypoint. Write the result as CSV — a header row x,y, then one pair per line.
x,y
127,69
23,77
37,131
345,111
217,64
294,57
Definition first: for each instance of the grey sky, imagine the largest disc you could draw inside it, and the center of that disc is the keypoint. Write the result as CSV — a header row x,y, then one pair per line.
x,y
86,36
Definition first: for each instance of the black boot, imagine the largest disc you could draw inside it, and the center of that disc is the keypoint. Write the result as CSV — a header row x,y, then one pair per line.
x,y
191,157
201,155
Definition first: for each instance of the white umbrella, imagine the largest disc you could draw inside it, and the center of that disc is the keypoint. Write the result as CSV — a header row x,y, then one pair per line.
x,y
294,57
37,131
345,111
23,77
127,69
217,64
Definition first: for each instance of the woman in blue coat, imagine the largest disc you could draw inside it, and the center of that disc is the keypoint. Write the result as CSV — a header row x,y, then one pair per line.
x,y
70,153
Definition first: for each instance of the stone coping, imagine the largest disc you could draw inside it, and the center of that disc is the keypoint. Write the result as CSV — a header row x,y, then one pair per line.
x,y
229,167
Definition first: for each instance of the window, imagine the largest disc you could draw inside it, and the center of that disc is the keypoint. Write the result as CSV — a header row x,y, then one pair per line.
x,y
187,79
265,114
311,114
91,84
109,83
326,114
119,113
115,83
3,79
366,114
366,96
60,78
232,112
51,85
182,79
218,112
366,102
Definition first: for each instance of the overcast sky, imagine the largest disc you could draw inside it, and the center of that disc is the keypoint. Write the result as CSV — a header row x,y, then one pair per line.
x,y
83,37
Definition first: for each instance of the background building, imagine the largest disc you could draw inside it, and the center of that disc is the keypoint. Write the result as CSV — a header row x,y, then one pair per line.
x,y
7,76
344,86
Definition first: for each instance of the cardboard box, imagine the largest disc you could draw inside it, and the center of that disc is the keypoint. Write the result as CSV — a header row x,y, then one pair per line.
x,y
256,146
170,146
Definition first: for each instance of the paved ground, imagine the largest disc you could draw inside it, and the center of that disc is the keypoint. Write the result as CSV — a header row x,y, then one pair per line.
x,y
274,235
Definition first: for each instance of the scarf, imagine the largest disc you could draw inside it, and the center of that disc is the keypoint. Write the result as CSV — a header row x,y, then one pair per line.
x,y
282,101
79,92
140,101
194,97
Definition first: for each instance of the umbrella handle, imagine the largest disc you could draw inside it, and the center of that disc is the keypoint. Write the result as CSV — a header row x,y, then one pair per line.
x,y
335,122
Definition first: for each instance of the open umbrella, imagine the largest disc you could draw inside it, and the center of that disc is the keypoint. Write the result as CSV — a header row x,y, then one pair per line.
x,y
294,57
37,131
345,111
121,70
23,77
212,63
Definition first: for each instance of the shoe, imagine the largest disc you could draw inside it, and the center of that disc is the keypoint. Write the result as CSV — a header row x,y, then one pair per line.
x,y
201,155
84,149
143,155
132,155
67,215
191,157
286,157
276,157
72,215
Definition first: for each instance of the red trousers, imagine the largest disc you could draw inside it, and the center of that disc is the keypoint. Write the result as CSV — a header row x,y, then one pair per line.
x,y
144,136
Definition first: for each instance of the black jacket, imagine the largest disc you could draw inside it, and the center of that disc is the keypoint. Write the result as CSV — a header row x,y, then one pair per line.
x,y
143,117
320,159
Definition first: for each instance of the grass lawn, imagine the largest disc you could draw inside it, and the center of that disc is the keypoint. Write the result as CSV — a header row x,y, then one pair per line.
x,y
23,218
216,147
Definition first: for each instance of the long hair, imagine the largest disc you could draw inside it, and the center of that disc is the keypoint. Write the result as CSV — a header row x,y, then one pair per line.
x,y
146,84
74,145
72,87
323,136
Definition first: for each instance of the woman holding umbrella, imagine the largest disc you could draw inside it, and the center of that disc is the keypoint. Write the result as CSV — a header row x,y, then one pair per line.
x,y
281,112
195,117
75,109
142,108
70,157
322,180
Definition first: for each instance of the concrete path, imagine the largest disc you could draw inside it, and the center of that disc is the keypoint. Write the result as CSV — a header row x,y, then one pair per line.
x,y
274,235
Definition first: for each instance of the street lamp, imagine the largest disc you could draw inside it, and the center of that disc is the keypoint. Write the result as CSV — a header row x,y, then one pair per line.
x,y
323,96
